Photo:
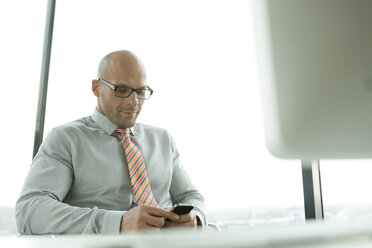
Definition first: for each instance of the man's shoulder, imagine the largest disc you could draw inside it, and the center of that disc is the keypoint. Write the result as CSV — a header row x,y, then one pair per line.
x,y
71,132
82,124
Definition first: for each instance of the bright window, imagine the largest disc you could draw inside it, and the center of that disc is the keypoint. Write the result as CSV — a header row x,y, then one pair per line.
x,y
22,28
346,186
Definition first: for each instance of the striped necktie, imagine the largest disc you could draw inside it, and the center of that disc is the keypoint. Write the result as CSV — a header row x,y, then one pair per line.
x,y
139,180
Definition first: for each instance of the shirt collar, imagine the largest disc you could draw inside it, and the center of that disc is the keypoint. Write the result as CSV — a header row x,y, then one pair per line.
x,y
103,122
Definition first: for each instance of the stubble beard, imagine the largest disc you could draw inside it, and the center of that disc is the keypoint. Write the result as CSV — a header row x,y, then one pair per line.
x,y
127,122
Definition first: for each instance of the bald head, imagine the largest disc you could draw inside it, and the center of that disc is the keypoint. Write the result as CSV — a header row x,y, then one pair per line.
x,y
120,63
125,70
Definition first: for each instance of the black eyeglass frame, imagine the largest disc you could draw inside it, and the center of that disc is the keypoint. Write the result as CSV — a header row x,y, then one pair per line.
x,y
115,87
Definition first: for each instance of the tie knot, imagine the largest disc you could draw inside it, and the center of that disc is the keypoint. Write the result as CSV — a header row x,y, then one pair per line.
x,y
122,132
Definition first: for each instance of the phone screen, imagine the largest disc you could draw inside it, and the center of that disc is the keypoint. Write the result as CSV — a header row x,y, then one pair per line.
x,y
182,208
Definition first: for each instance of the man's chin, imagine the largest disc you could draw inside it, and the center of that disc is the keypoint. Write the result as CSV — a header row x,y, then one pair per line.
x,y
127,124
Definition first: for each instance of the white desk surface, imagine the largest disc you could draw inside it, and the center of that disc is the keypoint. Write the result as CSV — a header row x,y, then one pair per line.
x,y
343,234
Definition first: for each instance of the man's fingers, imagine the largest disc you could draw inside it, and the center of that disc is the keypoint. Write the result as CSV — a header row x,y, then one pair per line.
x,y
143,217
159,212
172,216
149,217
185,218
177,224
154,221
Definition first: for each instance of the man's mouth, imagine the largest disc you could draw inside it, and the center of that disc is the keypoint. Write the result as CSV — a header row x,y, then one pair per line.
x,y
129,113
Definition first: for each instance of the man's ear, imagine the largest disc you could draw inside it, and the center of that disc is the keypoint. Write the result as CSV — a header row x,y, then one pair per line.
x,y
95,87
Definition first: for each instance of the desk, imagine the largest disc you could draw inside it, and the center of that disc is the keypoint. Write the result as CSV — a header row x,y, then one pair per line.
x,y
313,234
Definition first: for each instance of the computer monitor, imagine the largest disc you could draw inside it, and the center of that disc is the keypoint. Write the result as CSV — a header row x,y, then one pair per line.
x,y
315,71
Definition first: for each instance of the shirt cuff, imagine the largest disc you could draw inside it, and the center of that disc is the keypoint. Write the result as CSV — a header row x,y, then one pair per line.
x,y
111,222
200,220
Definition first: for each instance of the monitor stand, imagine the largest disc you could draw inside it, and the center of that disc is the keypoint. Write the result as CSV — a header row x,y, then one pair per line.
x,y
313,200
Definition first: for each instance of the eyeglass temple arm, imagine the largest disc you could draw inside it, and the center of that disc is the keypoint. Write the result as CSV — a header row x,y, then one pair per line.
x,y
109,85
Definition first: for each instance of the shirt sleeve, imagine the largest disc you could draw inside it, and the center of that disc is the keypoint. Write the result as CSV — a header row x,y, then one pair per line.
x,y
40,208
182,189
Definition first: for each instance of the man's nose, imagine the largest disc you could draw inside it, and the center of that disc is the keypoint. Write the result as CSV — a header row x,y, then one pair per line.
x,y
133,100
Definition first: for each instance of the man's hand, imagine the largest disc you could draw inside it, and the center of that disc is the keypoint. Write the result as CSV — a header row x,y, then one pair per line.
x,y
185,220
145,217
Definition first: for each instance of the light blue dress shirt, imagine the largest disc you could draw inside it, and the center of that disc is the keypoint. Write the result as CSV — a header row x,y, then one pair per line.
x,y
79,182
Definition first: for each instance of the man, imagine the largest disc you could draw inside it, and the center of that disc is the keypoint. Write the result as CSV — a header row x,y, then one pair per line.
x,y
106,173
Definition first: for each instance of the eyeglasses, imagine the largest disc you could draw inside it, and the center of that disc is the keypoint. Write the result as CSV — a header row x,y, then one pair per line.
x,y
125,92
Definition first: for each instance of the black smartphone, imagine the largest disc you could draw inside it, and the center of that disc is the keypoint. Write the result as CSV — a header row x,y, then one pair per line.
x,y
182,208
